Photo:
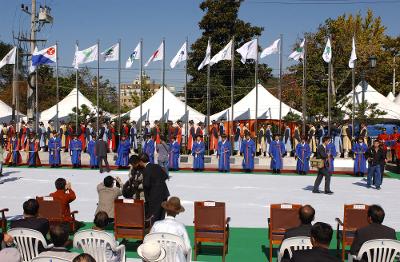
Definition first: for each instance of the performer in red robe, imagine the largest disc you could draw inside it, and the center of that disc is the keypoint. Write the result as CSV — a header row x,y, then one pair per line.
x,y
32,151
111,137
81,134
23,134
178,132
191,135
13,157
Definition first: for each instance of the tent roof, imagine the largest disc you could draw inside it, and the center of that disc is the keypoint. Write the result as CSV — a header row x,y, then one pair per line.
x,y
174,109
65,106
397,99
390,96
268,107
372,96
6,112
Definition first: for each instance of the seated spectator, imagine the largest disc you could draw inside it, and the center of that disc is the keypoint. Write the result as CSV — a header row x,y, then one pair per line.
x,y
10,254
31,219
151,252
65,195
84,258
306,215
133,188
321,236
375,229
107,194
100,223
59,237
170,225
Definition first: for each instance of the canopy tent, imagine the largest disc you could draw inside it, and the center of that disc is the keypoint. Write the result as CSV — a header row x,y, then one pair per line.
x,y
65,107
390,96
6,113
374,97
268,107
174,109
397,99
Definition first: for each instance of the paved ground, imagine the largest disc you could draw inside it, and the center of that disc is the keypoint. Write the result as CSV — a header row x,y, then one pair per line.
x,y
247,196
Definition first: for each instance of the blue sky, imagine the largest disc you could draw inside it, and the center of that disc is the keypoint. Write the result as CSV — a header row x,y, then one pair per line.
x,y
130,20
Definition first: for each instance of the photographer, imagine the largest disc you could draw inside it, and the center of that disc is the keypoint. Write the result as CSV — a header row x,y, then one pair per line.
x,y
108,191
133,188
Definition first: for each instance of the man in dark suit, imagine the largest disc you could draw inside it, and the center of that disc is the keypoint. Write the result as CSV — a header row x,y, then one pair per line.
x,y
101,149
375,229
324,170
155,188
321,236
306,215
31,220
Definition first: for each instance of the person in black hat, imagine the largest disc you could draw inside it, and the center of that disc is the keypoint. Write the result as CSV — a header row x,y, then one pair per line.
x,y
133,137
198,151
32,149
54,150
149,147
91,151
224,154
123,152
191,136
75,149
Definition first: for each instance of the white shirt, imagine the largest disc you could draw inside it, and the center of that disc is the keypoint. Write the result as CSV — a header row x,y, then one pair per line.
x,y
172,226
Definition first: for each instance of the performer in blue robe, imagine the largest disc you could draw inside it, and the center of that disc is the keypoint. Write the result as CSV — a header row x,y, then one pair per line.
x,y
174,151
198,150
54,150
224,154
303,154
75,150
148,148
237,139
331,150
248,149
33,148
91,150
276,152
360,162
287,139
124,147
133,137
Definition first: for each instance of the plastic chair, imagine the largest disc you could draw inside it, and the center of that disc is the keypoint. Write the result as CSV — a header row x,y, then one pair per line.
x,y
27,242
49,259
293,244
173,245
95,242
378,250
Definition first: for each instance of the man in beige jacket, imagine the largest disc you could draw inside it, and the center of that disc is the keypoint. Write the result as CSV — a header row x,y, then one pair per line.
x,y
108,192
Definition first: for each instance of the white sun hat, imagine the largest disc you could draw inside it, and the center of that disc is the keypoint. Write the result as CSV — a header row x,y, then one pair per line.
x,y
151,252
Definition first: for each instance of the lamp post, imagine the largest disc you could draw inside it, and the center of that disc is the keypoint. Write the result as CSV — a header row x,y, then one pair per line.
x,y
372,64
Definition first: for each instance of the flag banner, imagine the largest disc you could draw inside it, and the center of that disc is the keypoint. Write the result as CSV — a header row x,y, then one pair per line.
x,y
224,54
207,58
298,53
272,49
353,56
86,56
248,50
32,68
157,55
179,57
134,56
9,59
44,56
111,53
327,55
74,64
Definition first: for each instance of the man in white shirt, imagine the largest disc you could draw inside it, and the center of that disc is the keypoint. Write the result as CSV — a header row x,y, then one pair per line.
x,y
170,225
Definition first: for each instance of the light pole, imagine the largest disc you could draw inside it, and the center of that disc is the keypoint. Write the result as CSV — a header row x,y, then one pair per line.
x,y
371,64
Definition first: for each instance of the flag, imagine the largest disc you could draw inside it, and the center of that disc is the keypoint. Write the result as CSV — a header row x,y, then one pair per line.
x,y
134,56
44,56
86,56
74,64
9,59
224,54
327,55
179,57
111,53
248,50
272,49
207,58
298,53
353,56
157,55
32,68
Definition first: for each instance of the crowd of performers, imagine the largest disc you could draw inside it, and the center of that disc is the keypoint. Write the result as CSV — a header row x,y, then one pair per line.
x,y
266,143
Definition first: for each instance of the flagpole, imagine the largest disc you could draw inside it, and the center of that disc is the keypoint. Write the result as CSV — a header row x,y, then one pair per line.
x,y
256,84
119,89
232,86
141,87
280,83
303,88
186,81
353,85
16,83
57,87
37,102
329,92
208,99
97,86
77,91
163,86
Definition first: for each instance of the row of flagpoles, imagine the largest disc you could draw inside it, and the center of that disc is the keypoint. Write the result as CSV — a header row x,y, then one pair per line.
x,y
248,51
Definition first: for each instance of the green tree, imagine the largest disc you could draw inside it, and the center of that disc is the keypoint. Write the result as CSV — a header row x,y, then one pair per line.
x,y
220,22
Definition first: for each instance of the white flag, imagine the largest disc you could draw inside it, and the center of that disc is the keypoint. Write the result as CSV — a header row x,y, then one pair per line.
x,y
157,55
224,54
179,57
74,64
353,56
86,56
272,49
298,53
248,50
207,58
111,53
9,59
134,56
327,55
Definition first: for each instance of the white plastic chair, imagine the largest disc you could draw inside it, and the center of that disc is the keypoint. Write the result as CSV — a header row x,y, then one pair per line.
x,y
293,244
378,250
95,242
27,242
173,245
49,259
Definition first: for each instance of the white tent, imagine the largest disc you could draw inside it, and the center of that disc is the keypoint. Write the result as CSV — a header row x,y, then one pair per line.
x,y
374,97
65,107
390,96
6,113
174,109
397,99
268,107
